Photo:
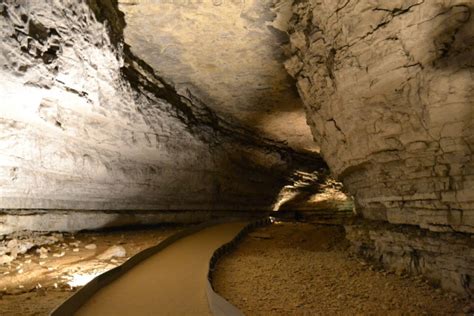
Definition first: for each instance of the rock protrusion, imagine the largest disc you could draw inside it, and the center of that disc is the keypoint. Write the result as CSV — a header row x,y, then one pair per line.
x,y
387,89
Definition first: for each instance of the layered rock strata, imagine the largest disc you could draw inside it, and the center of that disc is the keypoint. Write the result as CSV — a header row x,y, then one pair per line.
x,y
445,259
85,125
228,54
387,87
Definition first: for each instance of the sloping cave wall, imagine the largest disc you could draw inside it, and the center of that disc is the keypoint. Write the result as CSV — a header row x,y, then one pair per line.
x,y
387,87
85,125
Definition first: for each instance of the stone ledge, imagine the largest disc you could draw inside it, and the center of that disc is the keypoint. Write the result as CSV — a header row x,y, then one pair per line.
x,y
446,259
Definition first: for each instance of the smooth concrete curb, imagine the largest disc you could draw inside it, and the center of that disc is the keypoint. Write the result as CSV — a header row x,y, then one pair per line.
x,y
217,304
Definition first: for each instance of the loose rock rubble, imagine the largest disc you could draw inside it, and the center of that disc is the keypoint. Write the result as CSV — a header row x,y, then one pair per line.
x,y
113,252
90,246
19,243
56,265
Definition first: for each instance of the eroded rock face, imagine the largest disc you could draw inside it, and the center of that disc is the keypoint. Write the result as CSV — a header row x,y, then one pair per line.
x,y
226,53
447,259
387,87
84,125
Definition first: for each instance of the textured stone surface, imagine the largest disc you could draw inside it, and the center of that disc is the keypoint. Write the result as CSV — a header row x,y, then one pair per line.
x,y
387,87
447,259
84,125
227,53
72,221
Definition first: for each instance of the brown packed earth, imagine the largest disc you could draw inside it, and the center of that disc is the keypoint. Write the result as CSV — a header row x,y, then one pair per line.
x,y
283,269
304,269
31,285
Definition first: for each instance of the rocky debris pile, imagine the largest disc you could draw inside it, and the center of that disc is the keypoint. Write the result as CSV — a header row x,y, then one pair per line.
x,y
20,242
45,283
13,245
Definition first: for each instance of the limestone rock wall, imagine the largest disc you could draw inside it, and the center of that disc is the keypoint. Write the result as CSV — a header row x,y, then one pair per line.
x,y
446,259
228,54
84,125
389,95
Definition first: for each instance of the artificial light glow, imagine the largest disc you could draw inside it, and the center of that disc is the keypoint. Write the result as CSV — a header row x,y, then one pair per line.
x,y
284,196
273,220
81,279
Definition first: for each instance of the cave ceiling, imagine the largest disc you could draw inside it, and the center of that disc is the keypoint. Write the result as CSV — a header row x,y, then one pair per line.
x,y
226,53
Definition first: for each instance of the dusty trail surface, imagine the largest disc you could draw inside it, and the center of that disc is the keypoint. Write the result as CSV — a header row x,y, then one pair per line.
x,y
172,282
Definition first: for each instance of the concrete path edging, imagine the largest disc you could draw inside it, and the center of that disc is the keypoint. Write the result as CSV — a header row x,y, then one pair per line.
x,y
217,304
220,306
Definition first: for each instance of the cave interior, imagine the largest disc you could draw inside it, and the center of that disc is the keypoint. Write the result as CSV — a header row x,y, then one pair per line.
x,y
347,125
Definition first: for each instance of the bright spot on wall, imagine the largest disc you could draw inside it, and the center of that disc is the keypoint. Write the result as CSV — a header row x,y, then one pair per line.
x,y
314,191
299,180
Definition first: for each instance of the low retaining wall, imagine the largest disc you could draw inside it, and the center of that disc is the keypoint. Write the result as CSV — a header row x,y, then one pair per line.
x,y
217,304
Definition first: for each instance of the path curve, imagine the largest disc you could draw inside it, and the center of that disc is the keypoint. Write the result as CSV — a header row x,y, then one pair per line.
x,y
172,281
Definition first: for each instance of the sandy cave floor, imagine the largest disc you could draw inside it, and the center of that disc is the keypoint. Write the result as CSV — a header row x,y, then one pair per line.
x,y
283,269
31,285
304,269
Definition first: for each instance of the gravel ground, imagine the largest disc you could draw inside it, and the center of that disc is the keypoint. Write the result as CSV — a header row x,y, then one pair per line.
x,y
304,269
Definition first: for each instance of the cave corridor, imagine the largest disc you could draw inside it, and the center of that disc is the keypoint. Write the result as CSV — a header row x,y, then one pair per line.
x,y
236,157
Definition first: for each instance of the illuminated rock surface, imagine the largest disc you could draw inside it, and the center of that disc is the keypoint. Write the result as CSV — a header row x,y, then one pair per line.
x,y
85,125
188,112
388,93
226,53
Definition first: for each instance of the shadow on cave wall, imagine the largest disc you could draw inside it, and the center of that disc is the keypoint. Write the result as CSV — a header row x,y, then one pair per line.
x,y
246,163
453,39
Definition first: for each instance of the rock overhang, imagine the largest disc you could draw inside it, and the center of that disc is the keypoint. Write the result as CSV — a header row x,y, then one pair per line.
x,y
229,55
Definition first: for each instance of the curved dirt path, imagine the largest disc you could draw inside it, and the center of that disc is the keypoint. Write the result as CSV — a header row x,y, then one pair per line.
x,y
171,282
